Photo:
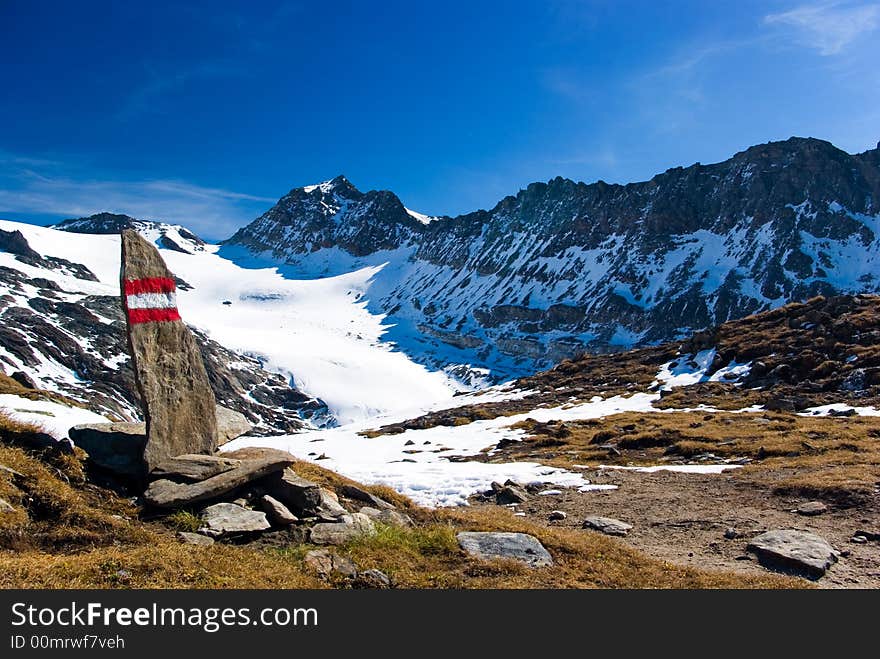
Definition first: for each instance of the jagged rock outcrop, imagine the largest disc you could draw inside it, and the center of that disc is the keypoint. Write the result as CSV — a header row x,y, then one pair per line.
x,y
178,403
563,267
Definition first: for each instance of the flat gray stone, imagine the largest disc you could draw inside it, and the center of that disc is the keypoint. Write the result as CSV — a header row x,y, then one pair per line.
x,y
388,517
493,544
188,538
168,494
302,497
790,550
276,511
607,525
226,518
811,508
193,467
349,528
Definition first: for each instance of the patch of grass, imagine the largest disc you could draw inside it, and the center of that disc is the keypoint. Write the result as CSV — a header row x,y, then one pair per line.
x,y
184,520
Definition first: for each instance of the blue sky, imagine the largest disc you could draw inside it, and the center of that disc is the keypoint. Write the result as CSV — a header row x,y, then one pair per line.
x,y
205,113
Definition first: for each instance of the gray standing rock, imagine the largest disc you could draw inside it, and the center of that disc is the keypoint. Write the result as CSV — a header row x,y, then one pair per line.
x,y
178,403
349,528
518,546
607,525
228,518
790,550
188,538
276,511
168,494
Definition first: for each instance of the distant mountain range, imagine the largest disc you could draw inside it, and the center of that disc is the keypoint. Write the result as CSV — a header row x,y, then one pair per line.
x,y
562,267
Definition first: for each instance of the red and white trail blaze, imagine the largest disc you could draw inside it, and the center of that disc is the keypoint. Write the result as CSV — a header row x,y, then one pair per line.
x,y
153,299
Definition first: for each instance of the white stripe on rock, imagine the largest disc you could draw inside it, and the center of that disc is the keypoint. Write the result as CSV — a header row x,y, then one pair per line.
x,y
152,301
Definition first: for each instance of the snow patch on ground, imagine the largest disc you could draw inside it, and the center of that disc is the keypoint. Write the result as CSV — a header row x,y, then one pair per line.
x,y
693,369
827,410
54,418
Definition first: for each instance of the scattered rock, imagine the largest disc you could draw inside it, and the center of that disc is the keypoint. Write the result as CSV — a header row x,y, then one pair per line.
x,y
116,447
873,536
230,424
811,508
193,467
6,507
730,533
350,527
518,546
607,525
510,494
276,511
329,509
168,494
373,579
388,517
859,539
326,563
358,494
801,552
225,518
178,402
194,539
557,515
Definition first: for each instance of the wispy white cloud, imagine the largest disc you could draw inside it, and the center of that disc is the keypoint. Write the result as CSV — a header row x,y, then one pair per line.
x,y
34,186
828,27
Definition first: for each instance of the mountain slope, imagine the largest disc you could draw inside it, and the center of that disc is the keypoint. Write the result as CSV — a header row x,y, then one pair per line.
x,y
564,267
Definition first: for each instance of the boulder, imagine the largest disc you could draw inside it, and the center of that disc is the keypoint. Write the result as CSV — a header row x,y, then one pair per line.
x,y
301,496
496,544
229,518
116,447
607,525
795,551
387,517
194,539
230,424
193,467
359,494
327,563
168,494
276,511
178,403
510,494
349,528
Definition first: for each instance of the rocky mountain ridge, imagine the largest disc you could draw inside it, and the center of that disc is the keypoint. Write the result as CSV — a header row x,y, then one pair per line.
x,y
563,267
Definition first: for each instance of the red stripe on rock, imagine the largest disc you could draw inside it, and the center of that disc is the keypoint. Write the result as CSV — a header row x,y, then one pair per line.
x,y
149,285
136,316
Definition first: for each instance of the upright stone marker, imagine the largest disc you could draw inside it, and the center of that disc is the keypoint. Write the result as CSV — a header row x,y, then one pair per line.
x,y
178,403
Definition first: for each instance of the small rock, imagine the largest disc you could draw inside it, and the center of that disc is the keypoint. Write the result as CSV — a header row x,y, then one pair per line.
x,y
518,546
730,533
6,507
194,539
225,518
801,552
811,508
859,539
510,494
607,525
557,515
388,517
373,579
329,509
349,528
874,536
277,512
326,563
